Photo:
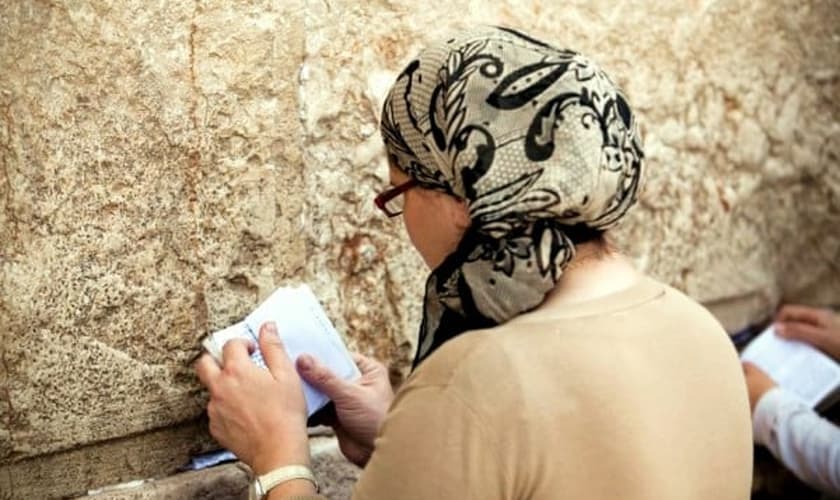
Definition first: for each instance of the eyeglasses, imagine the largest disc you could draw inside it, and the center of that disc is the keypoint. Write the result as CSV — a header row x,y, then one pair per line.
x,y
390,201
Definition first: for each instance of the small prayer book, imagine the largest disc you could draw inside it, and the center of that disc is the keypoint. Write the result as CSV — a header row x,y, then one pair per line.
x,y
797,367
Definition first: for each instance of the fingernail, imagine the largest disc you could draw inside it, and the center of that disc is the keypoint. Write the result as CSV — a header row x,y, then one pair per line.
x,y
269,328
780,329
305,362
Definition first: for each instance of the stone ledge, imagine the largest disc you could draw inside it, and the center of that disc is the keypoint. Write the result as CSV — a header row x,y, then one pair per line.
x,y
157,453
230,481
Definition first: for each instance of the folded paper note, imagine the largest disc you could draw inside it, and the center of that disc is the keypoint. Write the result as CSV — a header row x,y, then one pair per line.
x,y
304,329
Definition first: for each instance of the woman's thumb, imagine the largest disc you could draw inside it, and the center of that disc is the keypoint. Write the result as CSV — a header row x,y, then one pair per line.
x,y
319,376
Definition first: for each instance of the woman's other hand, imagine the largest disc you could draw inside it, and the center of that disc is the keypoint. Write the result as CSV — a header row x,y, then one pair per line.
x,y
258,414
758,383
818,327
360,405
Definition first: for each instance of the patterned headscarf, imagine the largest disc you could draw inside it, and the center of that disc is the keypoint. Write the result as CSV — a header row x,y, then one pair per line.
x,y
542,146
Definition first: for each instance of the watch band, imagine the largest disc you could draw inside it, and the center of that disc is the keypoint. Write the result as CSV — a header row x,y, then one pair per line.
x,y
264,483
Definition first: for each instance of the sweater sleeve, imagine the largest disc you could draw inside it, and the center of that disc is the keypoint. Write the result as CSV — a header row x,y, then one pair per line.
x,y
804,442
432,445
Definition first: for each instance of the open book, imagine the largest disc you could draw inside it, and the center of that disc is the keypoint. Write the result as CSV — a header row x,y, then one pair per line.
x,y
303,327
797,367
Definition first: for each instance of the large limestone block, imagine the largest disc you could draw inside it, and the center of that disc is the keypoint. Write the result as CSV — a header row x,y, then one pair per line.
x,y
151,192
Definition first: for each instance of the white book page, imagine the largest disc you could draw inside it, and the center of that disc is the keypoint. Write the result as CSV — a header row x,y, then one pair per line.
x,y
795,366
304,329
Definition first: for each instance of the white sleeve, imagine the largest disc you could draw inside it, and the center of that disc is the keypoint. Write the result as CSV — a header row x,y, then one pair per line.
x,y
806,443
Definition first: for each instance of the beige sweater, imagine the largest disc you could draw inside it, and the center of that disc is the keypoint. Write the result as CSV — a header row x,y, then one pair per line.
x,y
638,395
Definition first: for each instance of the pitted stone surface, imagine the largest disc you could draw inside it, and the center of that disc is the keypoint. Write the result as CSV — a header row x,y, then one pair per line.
x,y
150,191
334,473
164,166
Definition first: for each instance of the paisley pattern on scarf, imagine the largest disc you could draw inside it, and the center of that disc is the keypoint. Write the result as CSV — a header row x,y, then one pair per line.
x,y
540,143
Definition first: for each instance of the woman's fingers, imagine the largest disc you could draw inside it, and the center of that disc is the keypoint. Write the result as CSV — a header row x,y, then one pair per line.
x,y
803,314
758,383
321,377
207,369
235,352
366,365
803,332
273,351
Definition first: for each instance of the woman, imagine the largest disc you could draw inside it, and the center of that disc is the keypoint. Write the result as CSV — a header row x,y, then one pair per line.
x,y
547,366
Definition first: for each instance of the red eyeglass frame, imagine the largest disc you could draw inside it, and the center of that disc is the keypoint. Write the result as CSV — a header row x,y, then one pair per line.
x,y
384,197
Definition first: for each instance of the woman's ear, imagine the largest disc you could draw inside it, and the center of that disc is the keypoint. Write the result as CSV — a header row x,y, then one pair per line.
x,y
462,215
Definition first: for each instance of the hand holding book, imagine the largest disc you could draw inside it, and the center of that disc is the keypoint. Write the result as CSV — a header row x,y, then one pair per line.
x,y
789,353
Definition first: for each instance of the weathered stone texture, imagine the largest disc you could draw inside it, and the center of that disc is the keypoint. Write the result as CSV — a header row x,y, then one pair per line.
x,y
151,191
154,453
165,165
230,482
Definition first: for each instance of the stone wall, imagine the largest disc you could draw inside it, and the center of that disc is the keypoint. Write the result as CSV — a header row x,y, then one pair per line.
x,y
165,165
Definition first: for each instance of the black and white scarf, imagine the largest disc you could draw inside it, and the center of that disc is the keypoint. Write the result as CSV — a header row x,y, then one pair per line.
x,y
538,141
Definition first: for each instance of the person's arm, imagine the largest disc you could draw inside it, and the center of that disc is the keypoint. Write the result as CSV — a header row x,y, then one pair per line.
x,y
432,445
803,441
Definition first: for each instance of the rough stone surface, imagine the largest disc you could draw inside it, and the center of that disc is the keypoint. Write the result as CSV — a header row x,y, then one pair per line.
x,y
225,482
151,191
154,453
230,482
165,165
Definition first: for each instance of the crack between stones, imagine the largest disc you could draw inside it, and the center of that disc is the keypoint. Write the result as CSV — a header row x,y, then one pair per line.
x,y
7,146
8,400
193,84
309,243
191,179
194,422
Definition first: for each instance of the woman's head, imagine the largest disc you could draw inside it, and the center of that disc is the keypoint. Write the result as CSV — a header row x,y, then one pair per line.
x,y
435,221
535,144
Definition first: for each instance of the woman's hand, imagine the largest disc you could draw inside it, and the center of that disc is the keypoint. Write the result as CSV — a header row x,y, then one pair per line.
x,y
258,414
818,327
758,383
360,406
